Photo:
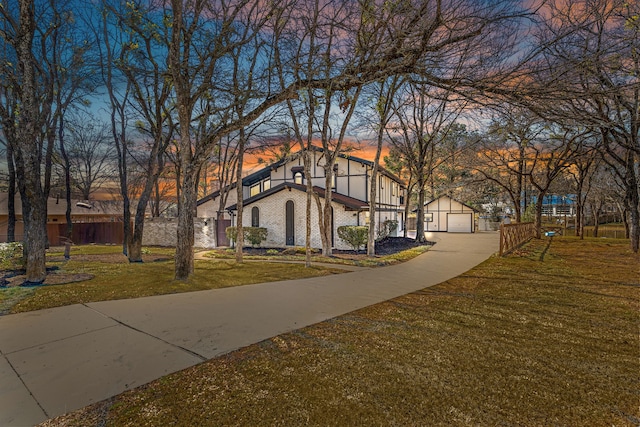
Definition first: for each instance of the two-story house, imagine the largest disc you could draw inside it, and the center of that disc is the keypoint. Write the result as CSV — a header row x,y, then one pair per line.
x,y
275,198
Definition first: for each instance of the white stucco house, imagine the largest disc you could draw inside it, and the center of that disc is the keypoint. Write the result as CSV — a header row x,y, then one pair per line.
x,y
274,197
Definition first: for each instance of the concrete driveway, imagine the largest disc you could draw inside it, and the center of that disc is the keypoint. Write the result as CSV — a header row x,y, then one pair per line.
x,y
58,360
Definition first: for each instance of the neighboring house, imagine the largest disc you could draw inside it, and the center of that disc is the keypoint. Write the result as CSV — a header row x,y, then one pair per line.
x,y
275,198
558,205
447,214
82,212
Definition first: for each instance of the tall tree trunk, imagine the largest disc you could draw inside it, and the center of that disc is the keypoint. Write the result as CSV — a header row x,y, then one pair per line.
x,y
184,263
240,201
596,218
154,170
420,237
633,200
11,200
184,248
67,178
371,239
307,235
538,216
28,152
327,211
407,208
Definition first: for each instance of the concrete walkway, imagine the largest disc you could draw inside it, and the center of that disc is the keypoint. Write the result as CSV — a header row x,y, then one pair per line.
x,y
58,360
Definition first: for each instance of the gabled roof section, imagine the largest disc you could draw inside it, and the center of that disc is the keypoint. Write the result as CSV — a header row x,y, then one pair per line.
x,y
348,202
215,194
266,171
449,197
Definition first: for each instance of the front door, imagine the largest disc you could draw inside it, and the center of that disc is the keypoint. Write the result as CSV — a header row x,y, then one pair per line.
x,y
290,224
221,232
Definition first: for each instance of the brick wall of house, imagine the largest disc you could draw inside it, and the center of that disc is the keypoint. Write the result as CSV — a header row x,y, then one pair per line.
x,y
273,218
163,232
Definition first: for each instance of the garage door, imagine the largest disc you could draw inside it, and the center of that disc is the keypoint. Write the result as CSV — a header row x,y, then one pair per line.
x,y
460,222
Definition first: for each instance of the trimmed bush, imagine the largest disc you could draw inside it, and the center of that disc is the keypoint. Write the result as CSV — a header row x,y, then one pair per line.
x,y
253,235
354,235
232,233
386,228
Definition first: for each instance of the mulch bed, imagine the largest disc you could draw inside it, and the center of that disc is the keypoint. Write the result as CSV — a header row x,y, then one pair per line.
x,y
386,246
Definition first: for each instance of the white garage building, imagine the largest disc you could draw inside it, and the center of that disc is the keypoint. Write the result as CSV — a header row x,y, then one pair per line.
x,y
447,214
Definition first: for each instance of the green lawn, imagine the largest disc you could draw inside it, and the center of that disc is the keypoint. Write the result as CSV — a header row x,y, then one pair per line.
x,y
545,336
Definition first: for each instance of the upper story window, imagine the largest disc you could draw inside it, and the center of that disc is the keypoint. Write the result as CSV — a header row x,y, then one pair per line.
x,y
259,187
298,174
254,190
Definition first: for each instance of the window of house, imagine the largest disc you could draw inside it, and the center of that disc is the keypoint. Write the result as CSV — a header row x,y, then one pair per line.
x,y
428,217
297,177
393,188
254,190
255,217
266,184
333,181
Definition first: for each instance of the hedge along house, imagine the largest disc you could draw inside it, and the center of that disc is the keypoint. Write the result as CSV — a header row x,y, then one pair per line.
x,y
275,198
447,214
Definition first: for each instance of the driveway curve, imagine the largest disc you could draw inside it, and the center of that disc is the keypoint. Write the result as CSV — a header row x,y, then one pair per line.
x,y
58,360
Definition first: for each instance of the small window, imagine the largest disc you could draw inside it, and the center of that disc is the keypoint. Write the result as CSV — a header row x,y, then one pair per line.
x,y
393,188
266,184
255,217
297,177
254,190
428,217
333,182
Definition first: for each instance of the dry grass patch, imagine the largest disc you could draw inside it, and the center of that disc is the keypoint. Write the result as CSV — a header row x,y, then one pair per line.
x,y
547,337
107,275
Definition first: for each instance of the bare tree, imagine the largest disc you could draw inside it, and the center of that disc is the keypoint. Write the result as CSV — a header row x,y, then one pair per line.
x,y
382,107
587,73
91,155
424,121
502,154
25,38
549,158
142,61
394,163
226,26
586,160
110,47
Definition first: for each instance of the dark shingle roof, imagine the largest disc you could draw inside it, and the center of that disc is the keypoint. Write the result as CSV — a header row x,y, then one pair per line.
x,y
347,201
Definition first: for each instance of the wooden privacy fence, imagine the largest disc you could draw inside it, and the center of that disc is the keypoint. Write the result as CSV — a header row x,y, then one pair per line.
x,y
514,235
88,232
83,233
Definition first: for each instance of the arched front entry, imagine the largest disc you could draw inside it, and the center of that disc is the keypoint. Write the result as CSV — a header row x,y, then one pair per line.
x,y
290,224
